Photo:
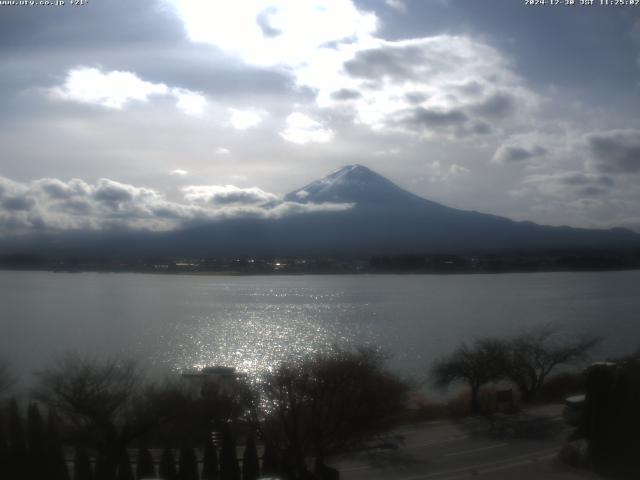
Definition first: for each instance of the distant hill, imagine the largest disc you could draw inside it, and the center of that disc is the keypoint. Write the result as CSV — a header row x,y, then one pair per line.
x,y
383,219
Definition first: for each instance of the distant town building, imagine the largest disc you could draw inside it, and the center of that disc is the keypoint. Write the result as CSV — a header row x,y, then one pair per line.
x,y
220,379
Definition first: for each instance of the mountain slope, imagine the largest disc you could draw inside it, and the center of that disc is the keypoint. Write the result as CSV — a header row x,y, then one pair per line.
x,y
383,219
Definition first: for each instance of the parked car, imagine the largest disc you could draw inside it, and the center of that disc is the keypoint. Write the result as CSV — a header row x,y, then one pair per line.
x,y
574,409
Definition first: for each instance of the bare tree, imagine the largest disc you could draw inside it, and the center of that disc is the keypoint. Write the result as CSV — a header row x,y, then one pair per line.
x,y
533,356
475,365
93,394
331,402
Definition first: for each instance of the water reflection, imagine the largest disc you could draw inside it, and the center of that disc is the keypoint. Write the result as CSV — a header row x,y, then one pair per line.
x,y
253,323
255,339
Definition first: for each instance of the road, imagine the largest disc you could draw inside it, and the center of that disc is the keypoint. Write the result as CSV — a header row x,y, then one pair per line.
x,y
522,447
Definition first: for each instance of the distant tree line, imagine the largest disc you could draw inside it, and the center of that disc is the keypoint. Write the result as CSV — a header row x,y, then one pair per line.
x,y
502,262
534,260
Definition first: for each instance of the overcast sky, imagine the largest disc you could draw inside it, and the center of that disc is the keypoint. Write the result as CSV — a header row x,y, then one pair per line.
x,y
148,113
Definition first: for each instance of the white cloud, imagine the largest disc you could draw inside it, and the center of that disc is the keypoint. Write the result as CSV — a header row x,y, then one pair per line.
x,y
273,32
439,173
112,89
227,194
116,89
51,204
222,151
303,129
179,172
190,103
456,169
397,5
244,119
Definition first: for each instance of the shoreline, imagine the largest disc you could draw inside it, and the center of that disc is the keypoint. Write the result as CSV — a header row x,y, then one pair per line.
x,y
235,273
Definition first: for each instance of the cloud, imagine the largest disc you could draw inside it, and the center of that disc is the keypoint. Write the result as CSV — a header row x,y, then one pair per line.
x,y
244,119
615,151
116,89
302,129
112,90
50,204
444,84
509,153
190,103
227,194
274,32
346,94
434,119
179,172
222,151
464,87
497,105
439,173
565,185
456,169
396,4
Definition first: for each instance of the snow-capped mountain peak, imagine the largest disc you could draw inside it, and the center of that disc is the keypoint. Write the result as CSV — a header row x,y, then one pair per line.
x,y
351,184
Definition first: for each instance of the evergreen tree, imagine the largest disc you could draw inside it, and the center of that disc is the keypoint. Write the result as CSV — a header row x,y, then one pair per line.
x,y
145,467
270,463
188,464
210,462
56,463
105,470
37,453
229,469
82,464
168,465
125,472
250,466
4,457
17,444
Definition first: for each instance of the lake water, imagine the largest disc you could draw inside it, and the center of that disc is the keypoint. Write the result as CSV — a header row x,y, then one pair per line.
x,y
180,322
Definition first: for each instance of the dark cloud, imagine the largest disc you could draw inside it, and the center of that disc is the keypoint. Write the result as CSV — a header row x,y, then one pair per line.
x,y
616,151
498,105
592,191
346,94
578,178
481,128
471,88
94,27
515,153
393,61
429,118
21,203
415,97
243,197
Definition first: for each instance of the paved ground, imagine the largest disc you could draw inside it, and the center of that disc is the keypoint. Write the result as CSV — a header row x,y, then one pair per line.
x,y
522,447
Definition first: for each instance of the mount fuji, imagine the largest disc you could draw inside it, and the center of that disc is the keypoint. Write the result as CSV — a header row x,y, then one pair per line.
x,y
377,217
383,218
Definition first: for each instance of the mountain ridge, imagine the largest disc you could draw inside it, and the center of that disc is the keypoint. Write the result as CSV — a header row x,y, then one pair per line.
x,y
383,219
